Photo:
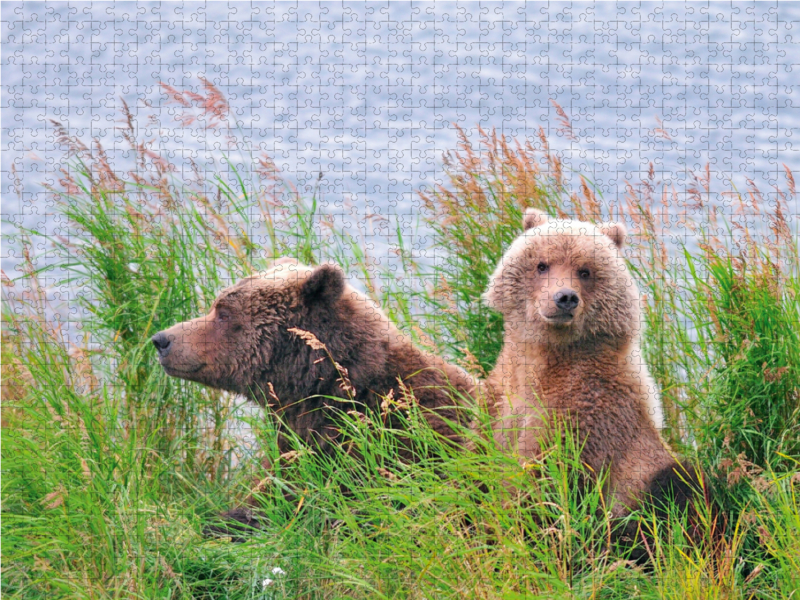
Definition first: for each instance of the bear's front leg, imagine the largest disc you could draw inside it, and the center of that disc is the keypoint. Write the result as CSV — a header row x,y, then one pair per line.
x,y
244,520
236,524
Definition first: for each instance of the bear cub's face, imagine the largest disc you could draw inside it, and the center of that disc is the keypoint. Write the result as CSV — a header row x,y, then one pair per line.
x,y
242,337
565,281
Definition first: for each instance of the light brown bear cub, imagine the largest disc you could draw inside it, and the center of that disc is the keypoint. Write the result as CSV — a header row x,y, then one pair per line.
x,y
252,343
571,350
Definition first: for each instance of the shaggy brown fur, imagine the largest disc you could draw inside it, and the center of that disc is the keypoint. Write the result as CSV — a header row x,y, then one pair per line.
x,y
244,345
571,351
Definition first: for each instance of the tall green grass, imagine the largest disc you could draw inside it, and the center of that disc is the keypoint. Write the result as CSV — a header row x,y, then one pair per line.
x,y
111,469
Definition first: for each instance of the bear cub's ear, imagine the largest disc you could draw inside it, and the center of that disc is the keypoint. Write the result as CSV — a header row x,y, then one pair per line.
x,y
325,284
616,231
533,217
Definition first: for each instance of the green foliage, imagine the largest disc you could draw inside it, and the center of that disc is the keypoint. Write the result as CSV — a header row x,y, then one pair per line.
x,y
111,469
749,419
475,220
753,403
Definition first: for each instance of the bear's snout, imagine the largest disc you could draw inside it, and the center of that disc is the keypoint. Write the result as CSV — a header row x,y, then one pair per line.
x,y
162,343
186,348
566,300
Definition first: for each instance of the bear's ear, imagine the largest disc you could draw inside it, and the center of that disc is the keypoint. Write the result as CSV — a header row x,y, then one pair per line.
x,y
325,284
616,231
533,217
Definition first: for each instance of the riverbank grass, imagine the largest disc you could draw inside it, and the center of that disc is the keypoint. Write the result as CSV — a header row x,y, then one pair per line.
x,y
111,469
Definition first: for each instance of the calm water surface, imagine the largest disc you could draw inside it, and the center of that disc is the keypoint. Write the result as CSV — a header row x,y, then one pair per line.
x,y
366,93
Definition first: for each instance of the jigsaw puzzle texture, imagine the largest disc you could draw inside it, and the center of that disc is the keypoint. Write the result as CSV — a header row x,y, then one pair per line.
x,y
156,153
368,95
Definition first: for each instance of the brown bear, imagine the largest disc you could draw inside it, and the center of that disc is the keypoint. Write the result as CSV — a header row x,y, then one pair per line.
x,y
571,352
293,336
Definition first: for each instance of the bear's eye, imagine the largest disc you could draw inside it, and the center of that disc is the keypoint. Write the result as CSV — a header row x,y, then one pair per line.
x,y
542,267
584,273
223,315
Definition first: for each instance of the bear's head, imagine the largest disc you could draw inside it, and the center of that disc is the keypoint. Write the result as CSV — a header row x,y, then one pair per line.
x,y
244,344
565,282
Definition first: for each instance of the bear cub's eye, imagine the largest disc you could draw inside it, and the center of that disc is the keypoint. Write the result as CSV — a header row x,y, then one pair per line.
x,y
223,315
584,273
542,267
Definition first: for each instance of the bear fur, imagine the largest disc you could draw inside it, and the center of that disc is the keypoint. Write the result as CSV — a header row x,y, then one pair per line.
x,y
244,345
571,352
255,341
262,338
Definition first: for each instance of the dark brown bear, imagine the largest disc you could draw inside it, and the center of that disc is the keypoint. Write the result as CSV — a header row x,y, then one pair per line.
x,y
255,341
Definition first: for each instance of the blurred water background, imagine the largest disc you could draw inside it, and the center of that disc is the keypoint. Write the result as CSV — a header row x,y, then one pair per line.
x,y
366,94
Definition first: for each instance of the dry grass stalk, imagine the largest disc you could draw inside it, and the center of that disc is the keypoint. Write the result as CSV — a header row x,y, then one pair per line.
x,y
212,105
471,363
564,121
309,338
312,342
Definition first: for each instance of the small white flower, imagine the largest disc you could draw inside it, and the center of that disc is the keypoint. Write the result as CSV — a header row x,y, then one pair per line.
x,y
275,571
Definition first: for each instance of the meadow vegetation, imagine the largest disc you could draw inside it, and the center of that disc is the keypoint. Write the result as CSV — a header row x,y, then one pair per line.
x,y
111,469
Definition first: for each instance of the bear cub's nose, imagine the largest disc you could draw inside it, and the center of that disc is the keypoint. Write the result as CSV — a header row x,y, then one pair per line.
x,y
161,342
566,299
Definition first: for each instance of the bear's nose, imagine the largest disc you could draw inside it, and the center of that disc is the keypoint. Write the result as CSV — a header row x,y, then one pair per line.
x,y
566,299
161,342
